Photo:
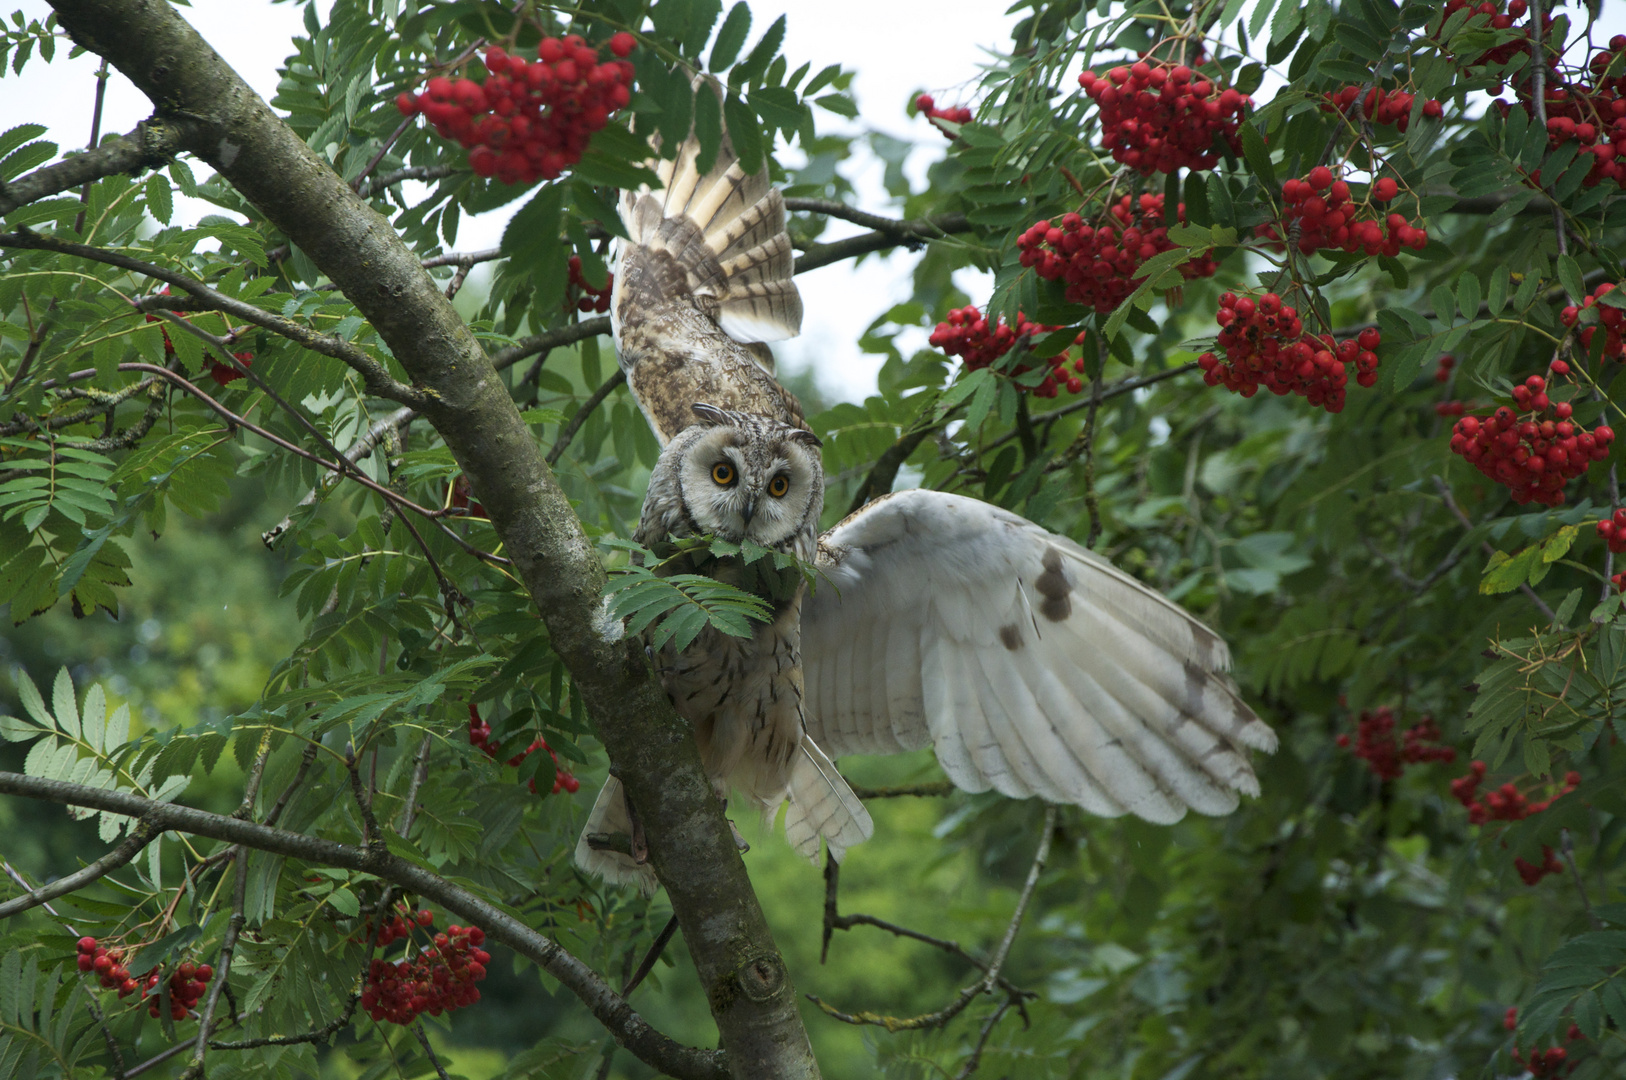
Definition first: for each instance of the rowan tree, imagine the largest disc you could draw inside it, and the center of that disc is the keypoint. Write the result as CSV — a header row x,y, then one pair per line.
x,y
1400,222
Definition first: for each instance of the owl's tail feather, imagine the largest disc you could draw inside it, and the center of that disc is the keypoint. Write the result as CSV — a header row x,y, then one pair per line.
x,y
609,816
821,804
725,233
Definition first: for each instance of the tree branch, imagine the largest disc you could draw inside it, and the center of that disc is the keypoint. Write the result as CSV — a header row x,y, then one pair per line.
x,y
153,143
579,417
910,234
553,339
630,1029
374,374
139,838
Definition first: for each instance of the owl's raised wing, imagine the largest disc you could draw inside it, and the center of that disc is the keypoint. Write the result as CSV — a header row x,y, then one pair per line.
x,y
1030,664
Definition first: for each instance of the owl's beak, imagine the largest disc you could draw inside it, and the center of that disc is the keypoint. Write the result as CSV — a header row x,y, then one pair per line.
x,y
748,509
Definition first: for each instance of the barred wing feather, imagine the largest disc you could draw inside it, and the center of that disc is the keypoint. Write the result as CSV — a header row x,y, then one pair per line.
x,y
1031,665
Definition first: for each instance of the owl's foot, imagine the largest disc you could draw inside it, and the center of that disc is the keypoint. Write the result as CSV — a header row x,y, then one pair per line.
x,y
739,841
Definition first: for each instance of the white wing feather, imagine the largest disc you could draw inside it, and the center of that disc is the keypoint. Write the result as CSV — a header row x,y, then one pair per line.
x,y
1030,664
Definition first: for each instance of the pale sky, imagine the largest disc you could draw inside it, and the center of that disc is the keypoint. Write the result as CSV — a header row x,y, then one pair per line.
x,y
897,47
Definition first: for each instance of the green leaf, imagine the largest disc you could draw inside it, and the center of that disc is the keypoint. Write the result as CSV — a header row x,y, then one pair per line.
x,y
158,198
746,133
763,52
731,37
1569,275
1253,148
1468,297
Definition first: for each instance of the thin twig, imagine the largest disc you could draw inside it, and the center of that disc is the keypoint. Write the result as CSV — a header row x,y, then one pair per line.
x,y
423,1040
299,778
553,339
354,453
1566,845
384,148
1486,546
647,964
991,971
579,417
376,377
975,1060
95,137
139,838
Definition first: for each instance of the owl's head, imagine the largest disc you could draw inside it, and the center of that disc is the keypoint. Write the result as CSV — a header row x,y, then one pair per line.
x,y
745,477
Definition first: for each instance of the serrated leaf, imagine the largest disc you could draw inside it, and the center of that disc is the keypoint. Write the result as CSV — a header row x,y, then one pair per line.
x,y
731,37
67,709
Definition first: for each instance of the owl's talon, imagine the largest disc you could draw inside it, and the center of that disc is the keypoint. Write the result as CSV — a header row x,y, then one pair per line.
x,y
739,841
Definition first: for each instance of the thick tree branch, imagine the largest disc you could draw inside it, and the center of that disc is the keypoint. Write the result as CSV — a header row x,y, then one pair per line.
x,y
630,1029
377,379
745,980
153,143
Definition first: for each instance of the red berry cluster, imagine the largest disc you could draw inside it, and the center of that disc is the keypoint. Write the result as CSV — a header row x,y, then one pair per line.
x,y
1265,345
1612,319
1442,373
529,121
927,106
1532,873
1099,262
1535,451
438,979
1381,107
1326,212
969,336
591,299
399,927
1542,1064
1375,744
1613,531
1505,803
1593,115
480,735
1162,117
187,983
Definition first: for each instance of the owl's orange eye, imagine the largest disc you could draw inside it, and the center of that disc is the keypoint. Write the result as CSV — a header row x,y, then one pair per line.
x,y
778,486
723,473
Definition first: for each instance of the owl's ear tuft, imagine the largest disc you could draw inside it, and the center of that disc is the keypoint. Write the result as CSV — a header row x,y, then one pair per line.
x,y
806,437
709,413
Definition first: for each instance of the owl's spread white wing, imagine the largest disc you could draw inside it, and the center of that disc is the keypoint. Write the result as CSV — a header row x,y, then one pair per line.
x,y
1030,664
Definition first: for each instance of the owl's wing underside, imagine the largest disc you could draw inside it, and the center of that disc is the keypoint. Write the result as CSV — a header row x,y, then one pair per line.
x,y
1030,664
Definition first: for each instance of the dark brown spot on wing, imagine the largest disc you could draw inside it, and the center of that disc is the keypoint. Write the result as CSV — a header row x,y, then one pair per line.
x,y
1053,586
1011,635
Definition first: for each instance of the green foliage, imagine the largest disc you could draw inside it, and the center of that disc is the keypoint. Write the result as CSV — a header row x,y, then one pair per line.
x,y
1341,925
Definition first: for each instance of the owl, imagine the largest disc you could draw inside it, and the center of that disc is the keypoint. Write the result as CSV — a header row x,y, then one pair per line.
x,y
1029,664
738,477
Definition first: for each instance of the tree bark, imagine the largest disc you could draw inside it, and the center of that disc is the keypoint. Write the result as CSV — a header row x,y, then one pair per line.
x,y
651,750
